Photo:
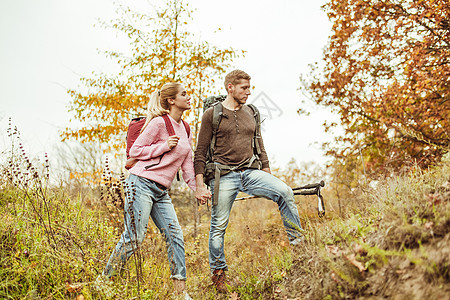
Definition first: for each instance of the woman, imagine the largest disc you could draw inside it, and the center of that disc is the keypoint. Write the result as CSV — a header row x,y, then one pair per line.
x,y
157,159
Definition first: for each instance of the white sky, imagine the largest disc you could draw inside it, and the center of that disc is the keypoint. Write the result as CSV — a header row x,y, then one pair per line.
x,y
47,45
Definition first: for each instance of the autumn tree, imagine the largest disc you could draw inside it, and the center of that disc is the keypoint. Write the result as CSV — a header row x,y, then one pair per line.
x,y
163,49
386,73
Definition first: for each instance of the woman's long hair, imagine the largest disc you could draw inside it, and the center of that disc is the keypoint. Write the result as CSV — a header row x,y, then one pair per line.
x,y
158,104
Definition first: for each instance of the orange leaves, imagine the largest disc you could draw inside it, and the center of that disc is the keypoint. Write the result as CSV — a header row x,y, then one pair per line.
x,y
93,178
162,49
74,288
387,67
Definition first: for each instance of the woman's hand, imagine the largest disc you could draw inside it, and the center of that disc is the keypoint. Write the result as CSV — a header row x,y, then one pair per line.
x,y
172,141
130,163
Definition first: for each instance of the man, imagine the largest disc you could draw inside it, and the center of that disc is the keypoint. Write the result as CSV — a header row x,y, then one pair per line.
x,y
237,167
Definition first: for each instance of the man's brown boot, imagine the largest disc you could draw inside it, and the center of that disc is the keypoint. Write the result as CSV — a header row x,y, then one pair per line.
x,y
218,279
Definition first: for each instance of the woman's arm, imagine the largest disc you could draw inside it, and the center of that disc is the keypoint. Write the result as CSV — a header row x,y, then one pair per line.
x,y
188,171
152,142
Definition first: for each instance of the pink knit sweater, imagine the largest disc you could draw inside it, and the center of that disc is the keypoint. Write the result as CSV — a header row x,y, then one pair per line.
x,y
152,143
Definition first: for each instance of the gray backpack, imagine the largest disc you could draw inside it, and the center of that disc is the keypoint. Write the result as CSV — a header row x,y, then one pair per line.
x,y
215,170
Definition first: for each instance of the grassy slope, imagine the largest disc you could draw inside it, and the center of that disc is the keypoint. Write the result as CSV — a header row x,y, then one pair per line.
x,y
398,247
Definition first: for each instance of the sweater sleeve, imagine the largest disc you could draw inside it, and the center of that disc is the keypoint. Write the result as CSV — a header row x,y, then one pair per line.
x,y
263,156
204,139
149,144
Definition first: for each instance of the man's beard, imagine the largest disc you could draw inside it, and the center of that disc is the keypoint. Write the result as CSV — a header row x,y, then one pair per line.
x,y
240,101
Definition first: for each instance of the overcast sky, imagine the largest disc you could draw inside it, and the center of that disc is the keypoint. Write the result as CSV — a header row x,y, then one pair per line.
x,y
47,45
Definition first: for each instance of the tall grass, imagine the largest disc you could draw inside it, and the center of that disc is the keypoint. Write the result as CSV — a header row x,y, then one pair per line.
x,y
68,264
53,246
396,247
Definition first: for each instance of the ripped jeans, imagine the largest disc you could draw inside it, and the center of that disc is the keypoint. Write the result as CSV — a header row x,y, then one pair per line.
x,y
255,183
143,200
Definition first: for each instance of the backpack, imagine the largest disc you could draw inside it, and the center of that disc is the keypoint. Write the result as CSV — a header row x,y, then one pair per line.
x,y
215,170
136,124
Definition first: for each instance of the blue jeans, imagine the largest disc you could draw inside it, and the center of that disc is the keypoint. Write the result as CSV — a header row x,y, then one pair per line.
x,y
143,200
255,183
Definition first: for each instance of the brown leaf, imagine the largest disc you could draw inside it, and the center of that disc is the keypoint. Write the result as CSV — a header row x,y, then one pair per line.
x,y
234,296
333,249
358,249
356,263
74,287
428,225
434,199
334,277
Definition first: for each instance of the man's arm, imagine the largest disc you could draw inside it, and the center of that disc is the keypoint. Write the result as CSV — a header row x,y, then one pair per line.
x,y
204,139
264,158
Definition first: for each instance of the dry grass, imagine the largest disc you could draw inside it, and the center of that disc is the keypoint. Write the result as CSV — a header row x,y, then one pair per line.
x,y
397,248
392,242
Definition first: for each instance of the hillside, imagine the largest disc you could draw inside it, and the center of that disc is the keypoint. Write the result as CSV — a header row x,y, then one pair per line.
x,y
396,246
393,244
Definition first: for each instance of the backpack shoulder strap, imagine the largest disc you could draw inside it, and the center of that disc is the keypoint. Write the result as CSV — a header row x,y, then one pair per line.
x,y
217,116
168,125
257,135
256,114
188,128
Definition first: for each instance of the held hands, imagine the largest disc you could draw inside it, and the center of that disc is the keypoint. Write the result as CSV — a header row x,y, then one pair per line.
x,y
202,194
172,141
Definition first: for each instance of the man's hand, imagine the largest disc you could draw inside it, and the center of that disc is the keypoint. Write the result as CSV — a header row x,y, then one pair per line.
x,y
201,192
267,170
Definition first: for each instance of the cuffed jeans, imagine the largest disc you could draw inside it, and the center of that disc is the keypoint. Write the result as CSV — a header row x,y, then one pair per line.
x,y
143,200
255,183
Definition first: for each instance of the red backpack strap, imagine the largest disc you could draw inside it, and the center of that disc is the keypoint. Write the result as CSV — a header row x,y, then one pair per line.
x,y
188,128
168,125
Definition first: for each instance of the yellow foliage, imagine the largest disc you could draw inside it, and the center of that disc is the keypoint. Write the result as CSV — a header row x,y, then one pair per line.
x,y
163,50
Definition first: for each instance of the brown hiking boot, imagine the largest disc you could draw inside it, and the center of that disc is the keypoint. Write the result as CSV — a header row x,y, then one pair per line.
x,y
218,279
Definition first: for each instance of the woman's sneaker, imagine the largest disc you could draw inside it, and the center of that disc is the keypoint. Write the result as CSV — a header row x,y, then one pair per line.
x,y
298,241
183,296
104,285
